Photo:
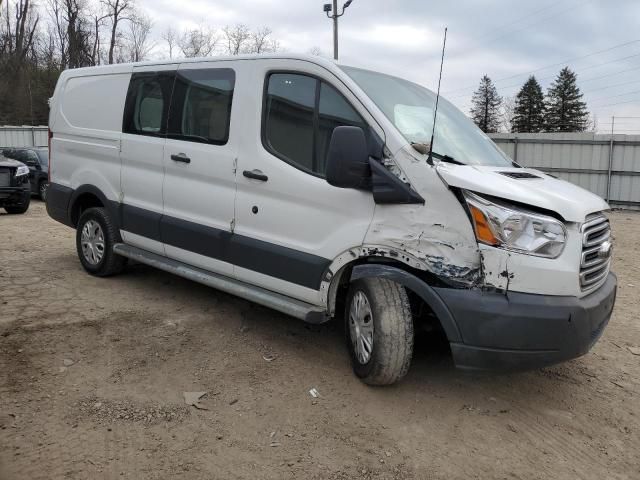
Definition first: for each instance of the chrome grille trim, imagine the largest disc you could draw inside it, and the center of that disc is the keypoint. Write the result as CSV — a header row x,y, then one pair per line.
x,y
5,177
594,268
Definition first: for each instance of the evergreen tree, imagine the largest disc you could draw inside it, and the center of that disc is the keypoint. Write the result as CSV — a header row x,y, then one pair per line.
x,y
485,106
565,110
529,111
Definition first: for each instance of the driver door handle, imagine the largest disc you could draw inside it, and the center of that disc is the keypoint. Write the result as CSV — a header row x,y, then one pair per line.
x,y
256,175
181,157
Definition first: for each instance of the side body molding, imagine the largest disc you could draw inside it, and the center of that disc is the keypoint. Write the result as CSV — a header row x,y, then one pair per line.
x,y
419,287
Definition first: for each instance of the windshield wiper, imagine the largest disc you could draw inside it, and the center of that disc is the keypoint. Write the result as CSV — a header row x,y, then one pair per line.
x,y
423,148
446,158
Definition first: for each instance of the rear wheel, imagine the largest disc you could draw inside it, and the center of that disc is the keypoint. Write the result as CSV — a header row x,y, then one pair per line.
x,y
379,330
20,208
95,237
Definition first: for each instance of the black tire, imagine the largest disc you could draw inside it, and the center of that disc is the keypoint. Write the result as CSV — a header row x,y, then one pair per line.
x,y
21,208
42,190
110,263
392,349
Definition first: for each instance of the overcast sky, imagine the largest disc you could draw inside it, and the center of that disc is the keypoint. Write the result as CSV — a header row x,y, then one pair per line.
x,y
506,39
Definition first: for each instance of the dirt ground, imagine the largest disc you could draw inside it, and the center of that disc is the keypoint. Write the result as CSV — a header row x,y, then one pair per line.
x,y
92,375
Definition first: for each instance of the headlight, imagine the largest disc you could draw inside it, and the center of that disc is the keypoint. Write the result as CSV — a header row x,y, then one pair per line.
x,y
22,170
514,229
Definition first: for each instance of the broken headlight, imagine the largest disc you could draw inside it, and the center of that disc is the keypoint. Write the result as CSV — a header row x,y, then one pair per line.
x,y
512,228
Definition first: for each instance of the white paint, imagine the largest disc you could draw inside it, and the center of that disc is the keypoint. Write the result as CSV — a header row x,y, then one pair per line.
x,y
570,201
297,210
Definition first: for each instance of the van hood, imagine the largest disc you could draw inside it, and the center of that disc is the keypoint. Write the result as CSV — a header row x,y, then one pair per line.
x,y
544,191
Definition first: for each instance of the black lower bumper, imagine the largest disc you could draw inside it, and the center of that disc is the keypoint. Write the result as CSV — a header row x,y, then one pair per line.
x,y
521,331
10,196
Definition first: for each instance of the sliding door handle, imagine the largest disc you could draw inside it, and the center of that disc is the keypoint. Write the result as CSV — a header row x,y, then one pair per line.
x,y
181,157
256,175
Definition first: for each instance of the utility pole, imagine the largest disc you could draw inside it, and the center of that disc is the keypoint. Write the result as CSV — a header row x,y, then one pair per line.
x,y
332,13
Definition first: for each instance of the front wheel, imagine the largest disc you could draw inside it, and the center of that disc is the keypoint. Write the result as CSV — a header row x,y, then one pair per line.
x,y
42,190
379,330
21,208
95,237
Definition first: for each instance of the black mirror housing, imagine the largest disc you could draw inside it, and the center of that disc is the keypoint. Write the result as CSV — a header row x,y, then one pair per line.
x,y
348,159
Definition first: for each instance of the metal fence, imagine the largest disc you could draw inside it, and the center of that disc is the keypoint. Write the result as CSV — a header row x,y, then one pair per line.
x,y
607,165
25,136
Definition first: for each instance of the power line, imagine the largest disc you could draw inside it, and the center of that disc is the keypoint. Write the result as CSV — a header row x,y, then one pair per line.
x,y
617,103
554,64
519,20
536,22
606,87
615,96
514,85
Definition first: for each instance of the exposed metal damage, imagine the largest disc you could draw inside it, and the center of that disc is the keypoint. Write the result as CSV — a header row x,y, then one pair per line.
x,y
438,237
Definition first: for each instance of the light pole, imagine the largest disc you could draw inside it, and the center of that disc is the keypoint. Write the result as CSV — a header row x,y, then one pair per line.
x,y
332,12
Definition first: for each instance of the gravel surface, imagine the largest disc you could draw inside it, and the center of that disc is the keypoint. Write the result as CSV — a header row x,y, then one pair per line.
x,y
93,374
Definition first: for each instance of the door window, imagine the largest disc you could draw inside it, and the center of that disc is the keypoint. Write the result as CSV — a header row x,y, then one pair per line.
x,y
147,103
201,105
300,115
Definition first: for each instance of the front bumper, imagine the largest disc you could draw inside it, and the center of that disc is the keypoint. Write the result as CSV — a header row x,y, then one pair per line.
x,y
519,331
14,195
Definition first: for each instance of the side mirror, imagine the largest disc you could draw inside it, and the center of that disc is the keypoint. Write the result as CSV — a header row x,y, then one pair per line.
x,y
348,159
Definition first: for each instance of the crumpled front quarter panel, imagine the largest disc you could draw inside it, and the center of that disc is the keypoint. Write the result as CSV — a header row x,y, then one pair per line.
x,y
438,233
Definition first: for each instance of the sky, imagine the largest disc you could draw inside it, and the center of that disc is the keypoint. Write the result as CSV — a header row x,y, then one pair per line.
x,y
505,39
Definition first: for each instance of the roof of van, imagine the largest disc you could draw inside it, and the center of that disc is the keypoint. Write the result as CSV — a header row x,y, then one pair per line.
x,y
127,67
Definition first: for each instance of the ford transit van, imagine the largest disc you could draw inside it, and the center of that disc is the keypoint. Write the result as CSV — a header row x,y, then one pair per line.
x,y
309,187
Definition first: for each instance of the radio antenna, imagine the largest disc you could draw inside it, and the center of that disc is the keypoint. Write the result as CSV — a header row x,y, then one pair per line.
x,y
435,112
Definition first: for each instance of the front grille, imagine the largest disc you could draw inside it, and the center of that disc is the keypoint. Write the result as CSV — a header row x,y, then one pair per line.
x,y
596,251
5,177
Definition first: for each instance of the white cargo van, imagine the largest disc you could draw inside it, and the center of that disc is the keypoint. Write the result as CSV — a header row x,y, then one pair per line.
x,y
305,186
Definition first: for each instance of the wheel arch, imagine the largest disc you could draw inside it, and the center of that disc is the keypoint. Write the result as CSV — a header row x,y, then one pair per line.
x,y
88,196
400,273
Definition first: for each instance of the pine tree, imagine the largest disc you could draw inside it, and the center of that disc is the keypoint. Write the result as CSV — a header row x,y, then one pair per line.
x,y
565,110
485,108
529,112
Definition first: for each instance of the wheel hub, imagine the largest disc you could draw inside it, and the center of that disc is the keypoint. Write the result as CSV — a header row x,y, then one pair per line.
x,y
361,327
92,241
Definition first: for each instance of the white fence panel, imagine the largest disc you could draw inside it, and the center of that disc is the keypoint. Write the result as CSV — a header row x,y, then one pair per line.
x,y
607,165
25,136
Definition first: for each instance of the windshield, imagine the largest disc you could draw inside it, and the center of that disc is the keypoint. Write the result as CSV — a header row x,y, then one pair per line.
x,y
410,108
43,155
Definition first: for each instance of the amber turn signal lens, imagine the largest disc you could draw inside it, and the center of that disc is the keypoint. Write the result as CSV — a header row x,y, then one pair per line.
x,y
481,225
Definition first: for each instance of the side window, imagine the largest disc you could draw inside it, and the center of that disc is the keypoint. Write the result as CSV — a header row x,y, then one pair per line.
x,y
289,118
201,105
334,111
300,115
147,103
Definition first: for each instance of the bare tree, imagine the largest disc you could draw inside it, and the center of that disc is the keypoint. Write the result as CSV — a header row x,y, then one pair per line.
x,y
508,112
59,25
260,41
171,37
98,23
138,42
117,11
17,39
198,42
237,38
